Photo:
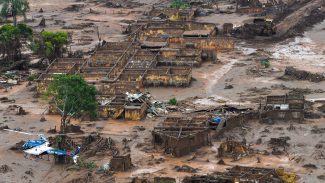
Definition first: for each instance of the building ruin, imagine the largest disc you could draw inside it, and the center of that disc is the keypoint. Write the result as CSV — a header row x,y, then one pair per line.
x,y
289,107
241,174
179,136
156,53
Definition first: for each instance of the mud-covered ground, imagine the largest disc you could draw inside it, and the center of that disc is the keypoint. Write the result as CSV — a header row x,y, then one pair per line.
x,y
86,19
240,68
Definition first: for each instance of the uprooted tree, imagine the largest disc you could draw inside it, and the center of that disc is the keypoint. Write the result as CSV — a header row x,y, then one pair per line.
x,y
13,8
12,39
72,97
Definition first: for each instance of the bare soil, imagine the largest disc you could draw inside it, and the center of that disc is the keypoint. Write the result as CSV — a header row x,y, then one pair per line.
x,y
240,68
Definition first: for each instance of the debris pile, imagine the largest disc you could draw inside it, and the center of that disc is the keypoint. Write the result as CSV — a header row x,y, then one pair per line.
x,y
16,110
95,145
259,27
140,180
88,177
292,73
156,108
6,100
121,4
74,7
63,141
164,180
4,127
17,146
73,129
233,149
10,78
185,168
310,166
277,143
317,130
244,174
5,169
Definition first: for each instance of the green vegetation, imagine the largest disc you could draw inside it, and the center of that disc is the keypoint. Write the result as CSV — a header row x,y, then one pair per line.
x,y
72,96
12,38
266,63
31,77
179,4
172,101
87,165
51,44
13,8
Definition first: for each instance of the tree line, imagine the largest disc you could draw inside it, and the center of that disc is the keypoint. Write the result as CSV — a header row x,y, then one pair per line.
x,y
15,36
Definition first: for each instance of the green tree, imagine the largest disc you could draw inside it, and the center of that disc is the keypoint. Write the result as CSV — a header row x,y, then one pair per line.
x,y
179,4
72,97
12,38
51,44
14,8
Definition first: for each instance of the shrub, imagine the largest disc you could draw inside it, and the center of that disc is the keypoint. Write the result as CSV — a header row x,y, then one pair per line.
x,y
172,101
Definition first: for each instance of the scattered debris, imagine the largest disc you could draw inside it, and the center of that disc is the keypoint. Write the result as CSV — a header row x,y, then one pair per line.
x,y
322,177
94,145
16,110
4,127
6,100
5,169
164,180
30,173
317,130
43,119
88,177
244,174
185,168
221,162
74,7
228,86
310,166
279,142
17,146
42,23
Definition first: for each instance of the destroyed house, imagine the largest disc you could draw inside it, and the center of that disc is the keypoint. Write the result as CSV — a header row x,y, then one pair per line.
x,y
120,106
171,14
58,66
238,174
179,136
121,163
284,107
156,53
249,6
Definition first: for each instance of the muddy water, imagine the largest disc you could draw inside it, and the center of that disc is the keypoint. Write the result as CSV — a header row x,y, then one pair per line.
x,y
317,34
305,52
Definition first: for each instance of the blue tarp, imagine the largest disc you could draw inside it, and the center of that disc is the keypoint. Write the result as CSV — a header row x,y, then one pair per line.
x,y
216,120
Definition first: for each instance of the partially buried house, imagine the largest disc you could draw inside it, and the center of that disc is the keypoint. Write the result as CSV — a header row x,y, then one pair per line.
x,y
283,107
